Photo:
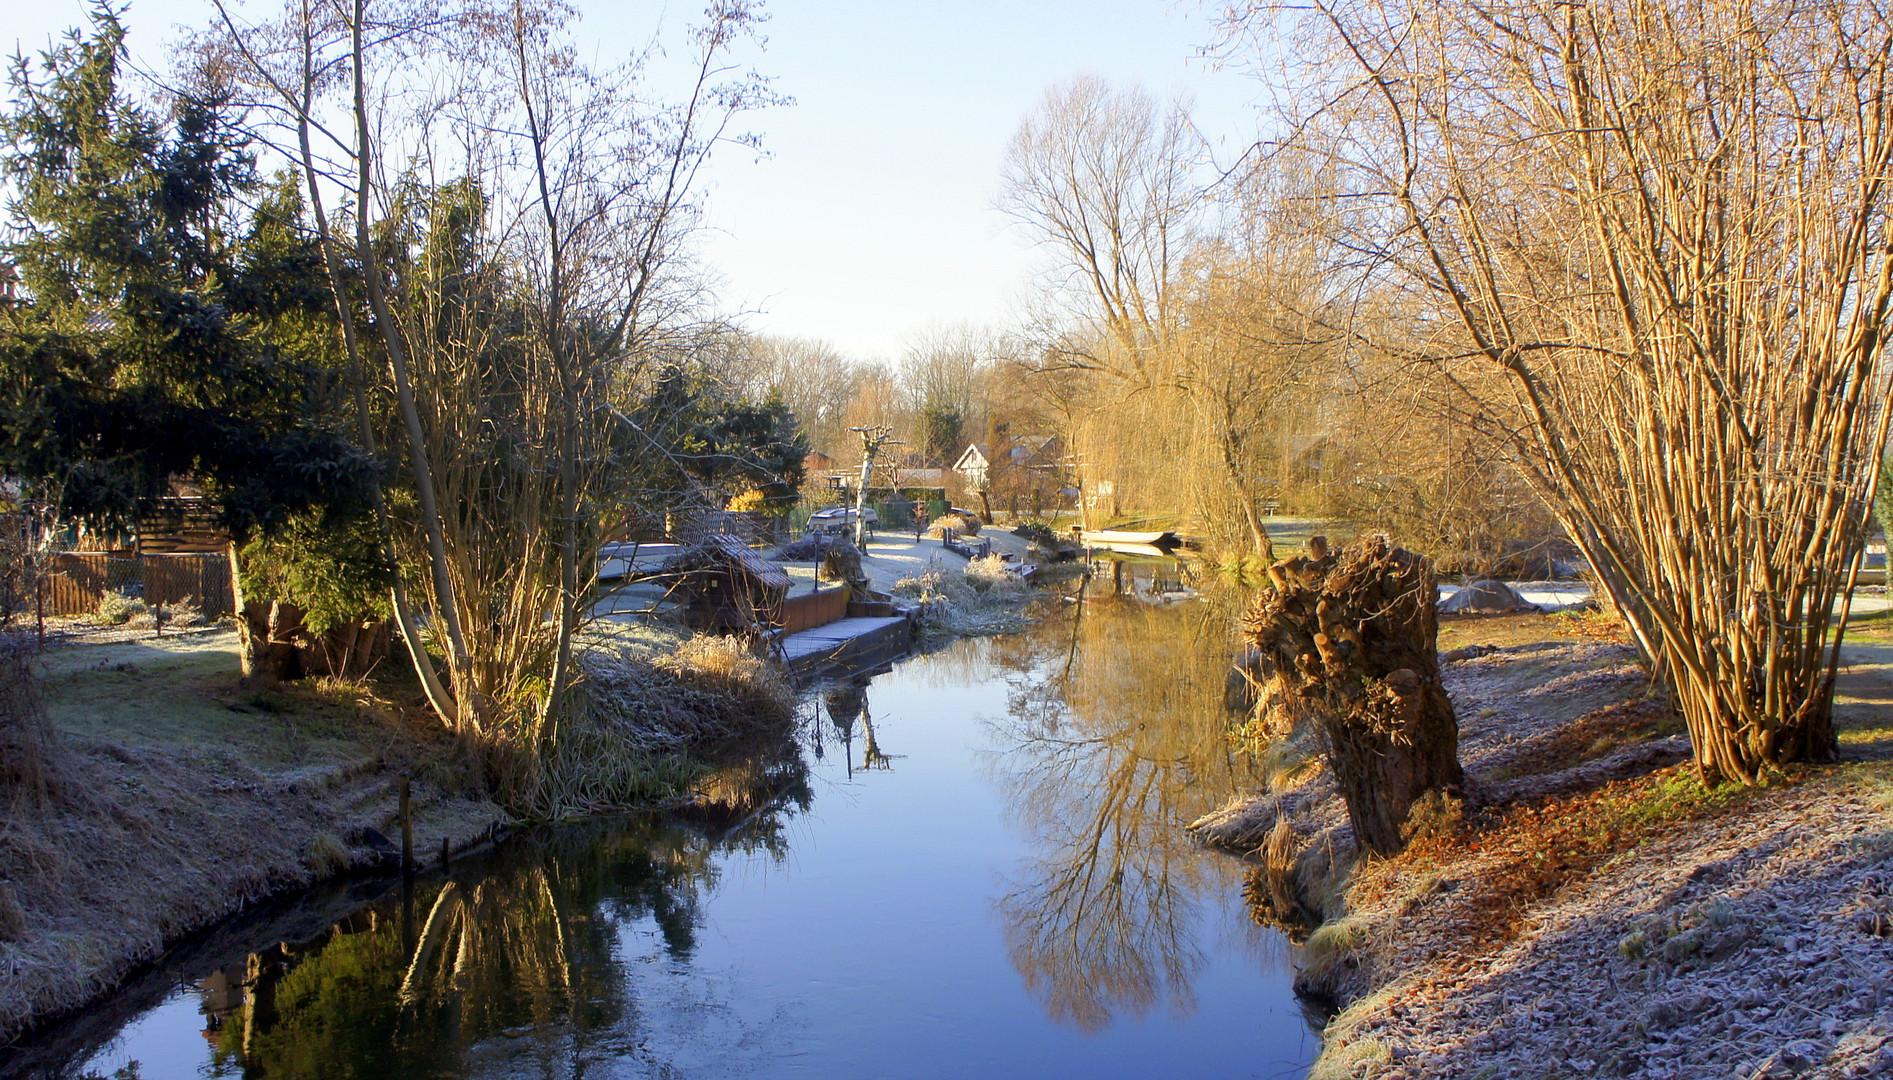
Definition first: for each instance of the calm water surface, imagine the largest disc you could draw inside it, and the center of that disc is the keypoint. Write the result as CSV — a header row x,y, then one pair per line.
x,y
970,866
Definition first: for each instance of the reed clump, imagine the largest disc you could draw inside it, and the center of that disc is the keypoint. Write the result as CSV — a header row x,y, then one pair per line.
x,y
993,573
963,524
981,599
649,716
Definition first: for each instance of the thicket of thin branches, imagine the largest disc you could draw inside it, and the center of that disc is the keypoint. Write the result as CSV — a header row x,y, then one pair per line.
x,y
503,230
1644,244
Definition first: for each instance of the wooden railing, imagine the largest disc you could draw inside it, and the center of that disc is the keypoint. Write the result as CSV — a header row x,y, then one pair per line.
x,y
814,609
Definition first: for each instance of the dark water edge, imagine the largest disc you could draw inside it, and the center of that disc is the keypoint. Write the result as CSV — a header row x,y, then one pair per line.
x,y
972,865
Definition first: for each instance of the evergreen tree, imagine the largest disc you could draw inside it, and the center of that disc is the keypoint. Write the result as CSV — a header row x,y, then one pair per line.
x,y
704,440
158,331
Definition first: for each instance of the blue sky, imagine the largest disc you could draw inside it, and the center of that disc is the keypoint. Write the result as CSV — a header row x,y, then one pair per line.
x,y
871,218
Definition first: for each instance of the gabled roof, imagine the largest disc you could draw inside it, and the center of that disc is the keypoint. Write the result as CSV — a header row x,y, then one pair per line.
x,y
919,477
973,459
1299,446
1034,450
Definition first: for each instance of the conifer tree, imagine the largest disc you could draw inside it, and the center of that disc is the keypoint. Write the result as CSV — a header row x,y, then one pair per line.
x,y
159,330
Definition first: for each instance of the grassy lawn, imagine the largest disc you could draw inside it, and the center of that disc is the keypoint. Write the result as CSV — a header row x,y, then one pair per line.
x,y
183,693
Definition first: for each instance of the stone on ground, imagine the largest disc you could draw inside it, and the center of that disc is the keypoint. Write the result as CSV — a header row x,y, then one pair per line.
x,y
1486,597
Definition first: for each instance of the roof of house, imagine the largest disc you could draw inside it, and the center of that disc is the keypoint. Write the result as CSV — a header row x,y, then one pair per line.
x,y
1301,445
728,554
1034,449
920,477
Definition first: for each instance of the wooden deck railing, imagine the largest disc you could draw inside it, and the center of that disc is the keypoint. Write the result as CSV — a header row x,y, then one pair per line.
x,y
814,609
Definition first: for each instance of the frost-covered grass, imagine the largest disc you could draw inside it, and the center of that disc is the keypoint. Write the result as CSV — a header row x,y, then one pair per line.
x,y
984,598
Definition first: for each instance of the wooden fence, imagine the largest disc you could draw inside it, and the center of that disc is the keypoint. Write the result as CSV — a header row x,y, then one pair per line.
x,y
77,581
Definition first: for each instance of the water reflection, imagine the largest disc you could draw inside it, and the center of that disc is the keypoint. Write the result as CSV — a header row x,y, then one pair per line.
x,y
846,705
528,949
706,943
1158,577
1115,739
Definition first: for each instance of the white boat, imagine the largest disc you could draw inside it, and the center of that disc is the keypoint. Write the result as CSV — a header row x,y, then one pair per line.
x,y
1148,550
1109,537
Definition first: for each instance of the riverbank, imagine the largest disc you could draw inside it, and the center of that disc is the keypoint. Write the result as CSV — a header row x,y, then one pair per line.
x,y
170,796
952,595
175,795
1589,910
154,793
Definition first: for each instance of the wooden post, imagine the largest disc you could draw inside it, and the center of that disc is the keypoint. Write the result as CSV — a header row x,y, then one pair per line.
x,y
444,853
39,603
407,828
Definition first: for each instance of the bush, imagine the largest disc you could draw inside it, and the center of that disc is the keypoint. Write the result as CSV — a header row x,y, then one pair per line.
x,y
117,609
991,574
183,613
810,548
962,523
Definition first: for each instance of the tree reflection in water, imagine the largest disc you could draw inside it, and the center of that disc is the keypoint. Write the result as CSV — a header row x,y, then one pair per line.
x,y
846,703
1116,739
527,947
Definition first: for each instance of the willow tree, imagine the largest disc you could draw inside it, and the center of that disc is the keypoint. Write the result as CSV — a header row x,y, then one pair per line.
x,y
1647,241
1195,342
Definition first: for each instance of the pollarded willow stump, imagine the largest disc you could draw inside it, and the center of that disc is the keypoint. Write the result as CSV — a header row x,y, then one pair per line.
x,y
1349,642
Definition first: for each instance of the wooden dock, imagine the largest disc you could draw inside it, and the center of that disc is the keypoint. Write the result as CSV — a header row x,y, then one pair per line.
x,y
846,644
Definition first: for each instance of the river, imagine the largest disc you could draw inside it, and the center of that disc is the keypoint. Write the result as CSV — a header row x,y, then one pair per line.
x,y
969,866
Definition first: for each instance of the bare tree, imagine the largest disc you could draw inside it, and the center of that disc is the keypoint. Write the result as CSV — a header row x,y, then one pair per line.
x,y
516,248
813,377
1647,241
944,372
1107,181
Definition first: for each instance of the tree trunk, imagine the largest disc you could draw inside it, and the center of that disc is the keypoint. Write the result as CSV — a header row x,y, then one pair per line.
x,y
1350,644
267,632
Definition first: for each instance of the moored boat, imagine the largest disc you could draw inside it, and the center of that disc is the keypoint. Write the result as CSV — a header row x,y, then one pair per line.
x,y
1111,537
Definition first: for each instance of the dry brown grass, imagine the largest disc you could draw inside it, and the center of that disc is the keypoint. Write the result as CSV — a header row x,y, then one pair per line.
x,y
990,574
750,686
653,715
1595,734
28,749
1529,628
1527,852
964,524
151,831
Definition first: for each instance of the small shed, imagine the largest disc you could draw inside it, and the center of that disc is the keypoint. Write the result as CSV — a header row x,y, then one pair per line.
x,y
726,585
